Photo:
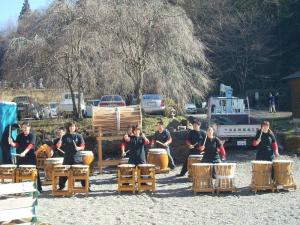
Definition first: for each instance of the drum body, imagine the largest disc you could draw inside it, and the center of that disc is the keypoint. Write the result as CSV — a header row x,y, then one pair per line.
x,y
158,157
85,157
283,172
193,159
7,169
26,170
44,151
261,173
202,177
146,169
225,175
49,164
80,170
126,169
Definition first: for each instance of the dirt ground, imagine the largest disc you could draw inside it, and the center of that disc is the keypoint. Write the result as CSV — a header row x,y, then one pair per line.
x,y
174,202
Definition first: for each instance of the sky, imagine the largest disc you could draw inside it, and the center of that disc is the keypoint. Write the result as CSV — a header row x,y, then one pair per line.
x,y
10,10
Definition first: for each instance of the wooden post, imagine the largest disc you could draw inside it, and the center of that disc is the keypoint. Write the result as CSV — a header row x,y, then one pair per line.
x,y
100,156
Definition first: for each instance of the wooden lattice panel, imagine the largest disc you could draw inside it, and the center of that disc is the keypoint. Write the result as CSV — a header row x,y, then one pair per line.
x,y
115,119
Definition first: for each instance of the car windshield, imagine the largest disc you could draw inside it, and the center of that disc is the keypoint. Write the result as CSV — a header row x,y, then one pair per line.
x,y
53,105
151,97
110,98
20,99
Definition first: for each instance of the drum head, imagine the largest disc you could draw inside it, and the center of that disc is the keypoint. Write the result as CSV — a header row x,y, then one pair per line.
x,y
86,153
195,156
225,164
27,166
146,165
157,150
282,161
8,166
126,166
79,166
260,162
202,164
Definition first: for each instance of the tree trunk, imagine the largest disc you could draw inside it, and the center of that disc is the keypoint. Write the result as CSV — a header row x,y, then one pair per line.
x,y
80,91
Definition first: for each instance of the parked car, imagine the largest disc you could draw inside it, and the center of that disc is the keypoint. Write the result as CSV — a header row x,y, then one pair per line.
x,y
65,106
153,103
53,109
190,108
89,106
28,107
111,101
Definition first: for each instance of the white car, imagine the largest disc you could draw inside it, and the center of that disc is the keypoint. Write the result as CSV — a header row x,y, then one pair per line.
x,y
153,103
53,109
89,106
190,108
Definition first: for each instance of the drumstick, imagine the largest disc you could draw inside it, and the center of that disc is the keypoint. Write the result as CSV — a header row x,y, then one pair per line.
x,y
260,134
9,131
60,150
195,144
74,144
127,151
161,143
205,140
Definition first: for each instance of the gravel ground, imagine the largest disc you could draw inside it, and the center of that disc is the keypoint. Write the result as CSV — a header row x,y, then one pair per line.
x,y
174,202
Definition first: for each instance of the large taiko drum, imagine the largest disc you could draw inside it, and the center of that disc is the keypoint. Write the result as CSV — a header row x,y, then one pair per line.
x,y
85,157
126,169
26,170
202,177
261,174
158,157
7,171
283,173
80,170
225,175
49,164
193,159
146,169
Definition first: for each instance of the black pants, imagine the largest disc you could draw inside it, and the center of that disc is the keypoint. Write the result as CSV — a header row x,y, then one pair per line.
x,y
26,161
192,151
6,155
62,180
213,160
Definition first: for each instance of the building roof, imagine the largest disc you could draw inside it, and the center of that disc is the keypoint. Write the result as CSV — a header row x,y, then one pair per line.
x,y
292,76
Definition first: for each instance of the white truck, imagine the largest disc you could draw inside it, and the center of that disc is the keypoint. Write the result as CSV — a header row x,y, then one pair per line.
x,y
65,107
230,116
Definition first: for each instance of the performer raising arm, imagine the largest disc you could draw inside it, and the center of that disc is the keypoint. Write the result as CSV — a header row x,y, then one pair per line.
x,y
162,139
136,145
265,142
194,139
212,147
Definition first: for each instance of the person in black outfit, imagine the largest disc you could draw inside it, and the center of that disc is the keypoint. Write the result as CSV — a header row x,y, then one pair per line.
x,y
194,139
212,147
60,133
136,144
265,142
162,139
5,146
67,145
25,144
124,144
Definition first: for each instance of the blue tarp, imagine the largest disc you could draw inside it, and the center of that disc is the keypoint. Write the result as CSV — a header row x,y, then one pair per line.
x,y
8,115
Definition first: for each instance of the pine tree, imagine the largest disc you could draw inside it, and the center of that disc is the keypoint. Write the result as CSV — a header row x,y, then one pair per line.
x,y
25,9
